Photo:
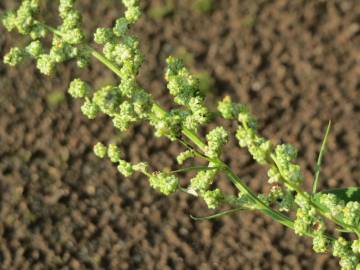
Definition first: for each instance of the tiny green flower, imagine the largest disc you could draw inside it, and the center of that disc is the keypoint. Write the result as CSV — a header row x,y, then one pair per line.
x,y
90,109
9,20
35,49
130,3
183,156
320,243
286,152
45,64
213,198
15,56
125,168
103,36
78,88
203,180
356,246
352,213
38,31
141,167
113,153
65,7
71,20
74,36
100,150
108,99
217,138
133,14
121,27
164,182
229,109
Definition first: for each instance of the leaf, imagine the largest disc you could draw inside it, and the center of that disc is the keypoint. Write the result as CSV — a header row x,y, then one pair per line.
x,y
320,158
220,214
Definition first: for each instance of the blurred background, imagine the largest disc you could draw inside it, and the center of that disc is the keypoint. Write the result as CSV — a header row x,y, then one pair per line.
x,y
296,63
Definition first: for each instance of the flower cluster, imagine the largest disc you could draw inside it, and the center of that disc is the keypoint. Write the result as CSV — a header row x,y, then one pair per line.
x,y
65,44
185,89
216,138
348,212
348,259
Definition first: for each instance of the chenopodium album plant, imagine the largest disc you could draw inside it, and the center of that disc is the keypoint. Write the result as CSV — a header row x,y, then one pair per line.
x,y
128,103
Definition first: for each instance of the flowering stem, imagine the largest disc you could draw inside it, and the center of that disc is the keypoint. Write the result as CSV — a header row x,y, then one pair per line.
x,y
314,204
193,137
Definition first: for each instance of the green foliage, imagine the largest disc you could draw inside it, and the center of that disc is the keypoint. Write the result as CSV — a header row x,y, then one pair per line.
x,y
127,103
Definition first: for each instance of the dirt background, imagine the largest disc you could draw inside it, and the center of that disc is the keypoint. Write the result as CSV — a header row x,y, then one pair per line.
x,y
295,62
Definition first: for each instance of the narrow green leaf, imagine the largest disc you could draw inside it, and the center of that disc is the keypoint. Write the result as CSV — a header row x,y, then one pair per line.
x,y
320,158
220,214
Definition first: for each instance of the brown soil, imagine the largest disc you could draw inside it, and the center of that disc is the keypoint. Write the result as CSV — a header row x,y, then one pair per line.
x,y
296,63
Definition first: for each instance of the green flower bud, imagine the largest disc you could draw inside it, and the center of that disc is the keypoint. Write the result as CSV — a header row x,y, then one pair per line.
x,y
320,243
304,220
103,36
128,88
247,119
38,31
356,246
9,20
35,49
293,174
352,213
164,182
71,20
130,3
274,175
65,7
213,198
216,138
113,153
108,50
203,180
126,117
121,27
332,203
108,99
15,56
245,136
141,167
285,152
125,168
183,156
24,17
142,103
45,64
133,14
287,202
229,109
122,53
260,149
90,109
342,249
74,36
78,88
100,150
